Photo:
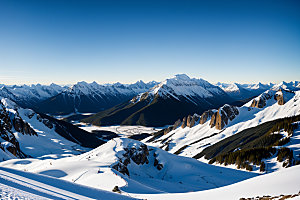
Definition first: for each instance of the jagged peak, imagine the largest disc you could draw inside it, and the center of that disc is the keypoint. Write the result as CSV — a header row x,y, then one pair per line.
x,y
181,86
182,77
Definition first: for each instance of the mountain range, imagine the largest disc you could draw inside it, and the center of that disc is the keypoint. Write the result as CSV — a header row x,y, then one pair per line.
x,y
29,96
213,145
90,98
164,103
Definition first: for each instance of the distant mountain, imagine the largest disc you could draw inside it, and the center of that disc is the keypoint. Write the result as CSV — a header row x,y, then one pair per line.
x,y
293,85
164,103
25,133
244,91
28,96
91,97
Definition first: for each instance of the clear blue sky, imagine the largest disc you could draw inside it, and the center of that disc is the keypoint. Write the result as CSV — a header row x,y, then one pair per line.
x,y
108,41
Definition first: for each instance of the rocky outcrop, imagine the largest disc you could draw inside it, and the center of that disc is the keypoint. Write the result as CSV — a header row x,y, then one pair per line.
x,y
205,116
192,120
176,124
282,96
46,122
22,127
139,155
183,125
261,100
220,119
279,99
10,143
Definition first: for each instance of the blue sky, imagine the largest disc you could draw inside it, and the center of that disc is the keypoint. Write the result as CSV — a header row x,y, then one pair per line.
x,y
109,41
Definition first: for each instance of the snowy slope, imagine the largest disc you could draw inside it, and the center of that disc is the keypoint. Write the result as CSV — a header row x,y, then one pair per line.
x,y
23,185
26,132
105,167
194,140
275,184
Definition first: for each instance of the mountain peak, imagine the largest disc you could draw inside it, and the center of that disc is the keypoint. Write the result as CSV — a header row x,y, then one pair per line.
x,y
182,77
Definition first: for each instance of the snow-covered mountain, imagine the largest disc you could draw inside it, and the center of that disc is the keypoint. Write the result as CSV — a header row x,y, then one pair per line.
x,y
244,91
29,95
92,97
193,134
293,85
24,133
164,103
134,168
196,154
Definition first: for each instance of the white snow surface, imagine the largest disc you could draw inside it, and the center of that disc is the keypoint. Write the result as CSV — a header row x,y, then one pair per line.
x,y
228,87
274,184
94,169
16,184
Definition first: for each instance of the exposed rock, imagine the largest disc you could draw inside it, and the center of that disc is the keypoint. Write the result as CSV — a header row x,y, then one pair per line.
x,y
45,121
282,96
139,155
220,118
22,127
279,99
6,134
176,124
116,189
205,116
183,125
167,130
188,120
120,167
31,115
260,101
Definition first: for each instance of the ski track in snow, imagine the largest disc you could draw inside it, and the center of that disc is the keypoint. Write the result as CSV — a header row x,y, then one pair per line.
x,y
23,185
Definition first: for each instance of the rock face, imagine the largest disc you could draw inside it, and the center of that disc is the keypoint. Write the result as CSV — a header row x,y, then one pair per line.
x,y
220,119
205,116
176,124
261,100
183,125
22,127
139,155
7,125
282,96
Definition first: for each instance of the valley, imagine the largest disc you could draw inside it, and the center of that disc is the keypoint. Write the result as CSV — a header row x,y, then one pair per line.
x,y
215,149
